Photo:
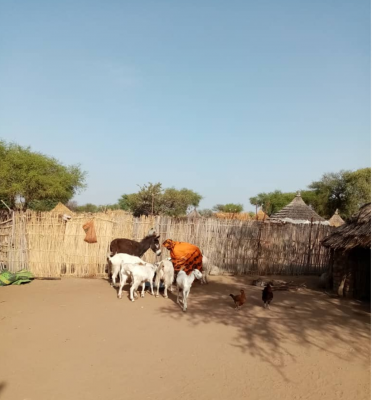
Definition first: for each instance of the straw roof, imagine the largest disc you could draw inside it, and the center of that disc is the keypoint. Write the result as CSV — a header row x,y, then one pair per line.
x,y
356,232
336,220
61,209
193,214
298,212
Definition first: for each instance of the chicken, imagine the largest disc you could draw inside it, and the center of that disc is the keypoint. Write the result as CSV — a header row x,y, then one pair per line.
x,y
267,295
239,299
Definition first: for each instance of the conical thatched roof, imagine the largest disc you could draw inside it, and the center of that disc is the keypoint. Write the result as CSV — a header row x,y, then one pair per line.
x,y
298,212
336,220
61,209
193,214
356,232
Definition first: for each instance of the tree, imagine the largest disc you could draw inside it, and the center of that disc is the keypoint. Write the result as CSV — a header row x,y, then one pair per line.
x,y
206,213
72,205
272,202
89,207
31,179
344,190
229,208
123,202
152,199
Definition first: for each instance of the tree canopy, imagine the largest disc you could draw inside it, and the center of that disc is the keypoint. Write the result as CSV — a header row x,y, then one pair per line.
x,y
344,190
152,199
30,179
229,208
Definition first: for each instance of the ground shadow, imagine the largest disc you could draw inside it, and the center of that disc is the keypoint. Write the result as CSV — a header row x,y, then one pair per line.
x,y
302,317
2,387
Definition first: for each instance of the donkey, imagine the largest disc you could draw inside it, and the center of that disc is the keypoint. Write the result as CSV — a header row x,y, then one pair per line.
x,y
134,248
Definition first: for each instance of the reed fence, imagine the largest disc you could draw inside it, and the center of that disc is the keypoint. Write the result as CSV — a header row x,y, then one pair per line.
x,y
50,247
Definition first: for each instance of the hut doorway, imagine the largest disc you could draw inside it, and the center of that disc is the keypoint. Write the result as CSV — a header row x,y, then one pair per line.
x,y
362,274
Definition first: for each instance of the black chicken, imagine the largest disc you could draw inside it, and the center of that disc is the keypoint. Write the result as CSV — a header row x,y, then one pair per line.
x,y
267,295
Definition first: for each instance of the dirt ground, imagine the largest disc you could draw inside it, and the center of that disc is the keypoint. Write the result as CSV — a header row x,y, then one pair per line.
x,y
73,339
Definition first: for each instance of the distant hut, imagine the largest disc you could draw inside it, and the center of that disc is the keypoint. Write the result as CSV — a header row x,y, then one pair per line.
x,y
350,246
297,212
193,214
64,212
336,220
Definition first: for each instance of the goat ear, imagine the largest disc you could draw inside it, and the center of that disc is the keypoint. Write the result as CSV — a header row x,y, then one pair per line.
x,y
157,237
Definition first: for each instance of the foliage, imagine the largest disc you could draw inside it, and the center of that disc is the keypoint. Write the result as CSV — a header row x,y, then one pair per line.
x,y
229,208
31,179
272,202
123,203
152,199
89,207
206,213
344,190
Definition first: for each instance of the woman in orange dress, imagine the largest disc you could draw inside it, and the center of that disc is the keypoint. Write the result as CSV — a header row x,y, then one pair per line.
x,y
185,256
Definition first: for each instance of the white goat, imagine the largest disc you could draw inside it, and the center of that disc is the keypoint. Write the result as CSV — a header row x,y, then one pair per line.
x,y
140,274
207,266
116,262
165,273
184,283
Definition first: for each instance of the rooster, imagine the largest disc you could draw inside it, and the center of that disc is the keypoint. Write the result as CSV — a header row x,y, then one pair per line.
x,y
239,299
267,295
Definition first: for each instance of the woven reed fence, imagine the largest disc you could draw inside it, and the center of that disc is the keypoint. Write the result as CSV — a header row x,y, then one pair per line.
x,y
51,247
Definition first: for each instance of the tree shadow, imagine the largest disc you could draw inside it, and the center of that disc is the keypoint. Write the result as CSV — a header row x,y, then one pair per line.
x,y
305,317
2,387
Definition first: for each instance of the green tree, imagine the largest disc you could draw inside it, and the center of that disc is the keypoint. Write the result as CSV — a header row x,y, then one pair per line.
x,y
229,208
272,202
344,190
206,213
31,179
152,199
123,202
89,207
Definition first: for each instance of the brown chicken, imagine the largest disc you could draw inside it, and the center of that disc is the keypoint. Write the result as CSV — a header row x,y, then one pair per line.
x,y
239,299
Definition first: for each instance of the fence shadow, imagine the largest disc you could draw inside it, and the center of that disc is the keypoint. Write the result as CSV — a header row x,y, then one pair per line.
x,y
307,318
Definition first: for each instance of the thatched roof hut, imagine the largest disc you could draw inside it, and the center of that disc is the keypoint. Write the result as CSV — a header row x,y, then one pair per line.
x,y
297,212
63,212
355,233
193,214
336,220
350,245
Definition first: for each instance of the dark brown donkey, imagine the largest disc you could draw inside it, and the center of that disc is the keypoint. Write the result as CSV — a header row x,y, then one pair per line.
x,y
134,248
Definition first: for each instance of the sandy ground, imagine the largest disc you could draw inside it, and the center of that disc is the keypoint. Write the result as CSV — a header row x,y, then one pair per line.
x,y
73,339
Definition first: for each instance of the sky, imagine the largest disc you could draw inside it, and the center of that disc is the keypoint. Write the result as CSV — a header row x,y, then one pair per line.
x,y
227,98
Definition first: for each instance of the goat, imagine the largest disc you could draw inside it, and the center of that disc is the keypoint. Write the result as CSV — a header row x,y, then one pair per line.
x,y
140,274
116,262
206,269
134,248
165,273
184,283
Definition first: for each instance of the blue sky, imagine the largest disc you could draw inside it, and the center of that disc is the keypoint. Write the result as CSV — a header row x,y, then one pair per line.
x,y
228,98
